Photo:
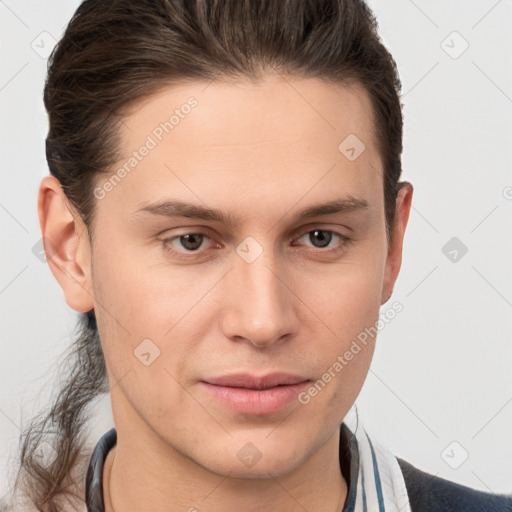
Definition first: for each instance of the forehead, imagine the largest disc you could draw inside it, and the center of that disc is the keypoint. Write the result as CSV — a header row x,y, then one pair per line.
x,y
253,112
278,135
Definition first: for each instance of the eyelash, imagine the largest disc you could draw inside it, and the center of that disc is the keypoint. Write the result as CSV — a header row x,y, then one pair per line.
x,y
344,240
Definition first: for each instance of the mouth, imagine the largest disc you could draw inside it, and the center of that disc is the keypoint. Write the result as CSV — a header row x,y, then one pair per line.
x,y
255,395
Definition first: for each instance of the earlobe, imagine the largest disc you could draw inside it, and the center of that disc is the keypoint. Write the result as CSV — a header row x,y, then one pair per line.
x,y
66,244
394,257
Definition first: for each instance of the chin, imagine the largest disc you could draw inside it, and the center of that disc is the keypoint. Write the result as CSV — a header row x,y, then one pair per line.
x,y
266,467
260,458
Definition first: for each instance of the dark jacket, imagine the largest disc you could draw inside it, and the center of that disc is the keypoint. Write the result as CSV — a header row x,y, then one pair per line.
x,y
429,493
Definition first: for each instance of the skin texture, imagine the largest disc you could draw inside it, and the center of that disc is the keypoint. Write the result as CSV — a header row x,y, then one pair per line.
x,y
259,152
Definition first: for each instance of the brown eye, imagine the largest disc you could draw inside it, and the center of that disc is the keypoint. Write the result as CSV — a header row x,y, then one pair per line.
x,y
323,237
186,244
191,241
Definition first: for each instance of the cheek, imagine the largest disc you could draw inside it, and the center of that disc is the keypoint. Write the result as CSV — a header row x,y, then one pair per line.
x,y
140,291
345,299
346,305
138,300
139,304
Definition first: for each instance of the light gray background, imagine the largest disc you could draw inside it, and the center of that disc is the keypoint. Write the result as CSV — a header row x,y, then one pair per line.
x,y
442,371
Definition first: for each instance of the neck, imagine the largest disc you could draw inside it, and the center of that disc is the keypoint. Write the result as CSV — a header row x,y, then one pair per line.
x,y
129,483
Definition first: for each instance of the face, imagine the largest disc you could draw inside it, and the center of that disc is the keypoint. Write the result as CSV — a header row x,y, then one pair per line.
x,y
228,300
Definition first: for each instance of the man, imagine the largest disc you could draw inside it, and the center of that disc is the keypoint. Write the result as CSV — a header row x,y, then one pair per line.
x,y
244,233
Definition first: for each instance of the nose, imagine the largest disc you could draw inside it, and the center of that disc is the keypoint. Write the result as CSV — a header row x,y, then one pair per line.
x,y
261,306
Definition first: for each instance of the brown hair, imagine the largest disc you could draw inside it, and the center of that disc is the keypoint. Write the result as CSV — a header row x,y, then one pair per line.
x,y
115,52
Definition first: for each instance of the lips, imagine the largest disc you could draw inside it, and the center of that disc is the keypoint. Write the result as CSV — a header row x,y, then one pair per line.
x,y
255,395
243,380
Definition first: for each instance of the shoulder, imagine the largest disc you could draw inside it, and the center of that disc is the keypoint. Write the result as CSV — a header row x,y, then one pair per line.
x,y
429,493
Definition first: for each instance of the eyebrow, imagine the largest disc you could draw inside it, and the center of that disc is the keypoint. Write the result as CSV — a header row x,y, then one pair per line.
x,y
174,208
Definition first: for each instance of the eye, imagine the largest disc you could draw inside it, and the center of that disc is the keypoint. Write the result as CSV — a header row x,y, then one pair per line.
x,y
321,238
186,242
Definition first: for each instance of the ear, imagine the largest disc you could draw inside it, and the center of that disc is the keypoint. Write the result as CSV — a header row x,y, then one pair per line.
x,y
66,244
394,257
